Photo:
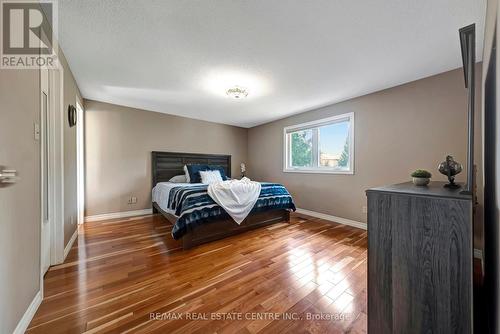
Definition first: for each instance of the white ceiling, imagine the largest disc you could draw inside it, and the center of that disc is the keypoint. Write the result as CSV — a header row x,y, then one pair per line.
x,y
179,57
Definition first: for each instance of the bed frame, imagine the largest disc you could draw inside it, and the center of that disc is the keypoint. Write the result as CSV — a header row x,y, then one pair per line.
x,y
165,165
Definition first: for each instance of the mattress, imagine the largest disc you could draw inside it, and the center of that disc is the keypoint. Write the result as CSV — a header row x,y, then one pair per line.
x,y
161,193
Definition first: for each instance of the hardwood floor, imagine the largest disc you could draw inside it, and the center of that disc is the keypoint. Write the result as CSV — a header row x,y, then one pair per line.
x,y
130,276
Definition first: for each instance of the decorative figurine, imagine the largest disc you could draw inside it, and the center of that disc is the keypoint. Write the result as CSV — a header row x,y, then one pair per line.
x,y
450,168
243,169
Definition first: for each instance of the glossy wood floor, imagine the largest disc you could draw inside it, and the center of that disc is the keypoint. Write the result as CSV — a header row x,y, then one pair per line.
x,y
130,276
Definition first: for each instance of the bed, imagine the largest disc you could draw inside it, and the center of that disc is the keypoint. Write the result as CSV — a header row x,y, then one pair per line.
x,y
216,224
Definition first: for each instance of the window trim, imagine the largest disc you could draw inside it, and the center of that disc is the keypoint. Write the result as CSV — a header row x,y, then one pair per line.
x,y
317,123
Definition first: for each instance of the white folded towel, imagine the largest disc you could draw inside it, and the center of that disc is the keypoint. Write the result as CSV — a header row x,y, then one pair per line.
x,y
237,197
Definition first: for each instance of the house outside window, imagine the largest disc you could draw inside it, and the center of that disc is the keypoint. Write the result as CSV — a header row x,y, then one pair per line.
x,y
321,146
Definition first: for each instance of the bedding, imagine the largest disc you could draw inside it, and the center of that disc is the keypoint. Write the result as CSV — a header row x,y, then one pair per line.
x,y
221,170
186,172
192,205
236,197
179,179
210,176
161,193
193,171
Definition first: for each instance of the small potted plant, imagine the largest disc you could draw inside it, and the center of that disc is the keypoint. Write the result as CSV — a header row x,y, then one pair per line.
x,y
421,177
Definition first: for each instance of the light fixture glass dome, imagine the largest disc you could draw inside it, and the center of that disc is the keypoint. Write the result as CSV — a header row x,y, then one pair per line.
x,y
237,92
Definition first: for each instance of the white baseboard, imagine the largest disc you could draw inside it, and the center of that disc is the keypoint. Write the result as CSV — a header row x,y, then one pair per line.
x,y
115,215
70,243
23,324
478,253
334,219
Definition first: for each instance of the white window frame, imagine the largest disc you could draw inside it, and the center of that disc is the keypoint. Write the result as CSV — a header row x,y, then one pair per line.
x,y
314,124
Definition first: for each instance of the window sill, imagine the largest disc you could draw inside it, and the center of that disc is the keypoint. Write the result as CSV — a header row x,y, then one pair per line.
x,y
319,171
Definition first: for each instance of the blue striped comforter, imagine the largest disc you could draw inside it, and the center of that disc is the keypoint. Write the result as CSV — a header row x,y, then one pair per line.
x,y
194,206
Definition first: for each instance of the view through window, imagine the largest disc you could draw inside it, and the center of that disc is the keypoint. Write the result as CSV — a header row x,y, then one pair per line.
x,y
323,146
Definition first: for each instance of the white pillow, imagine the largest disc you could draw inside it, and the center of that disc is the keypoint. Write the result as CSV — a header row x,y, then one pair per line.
x,y
210,176
186,173
178,179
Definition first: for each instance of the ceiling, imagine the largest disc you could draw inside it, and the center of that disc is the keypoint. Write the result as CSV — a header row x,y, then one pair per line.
x,y
179,57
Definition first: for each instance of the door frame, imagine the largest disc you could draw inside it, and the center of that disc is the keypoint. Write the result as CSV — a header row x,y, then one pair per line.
x,y
56,169
80,161
57,159
43,135
55,154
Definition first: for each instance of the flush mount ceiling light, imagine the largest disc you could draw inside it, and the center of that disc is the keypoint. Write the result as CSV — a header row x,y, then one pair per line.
x,y
222,81
237,92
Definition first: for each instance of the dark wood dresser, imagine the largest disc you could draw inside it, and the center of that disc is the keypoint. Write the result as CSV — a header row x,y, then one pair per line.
x,y
419,259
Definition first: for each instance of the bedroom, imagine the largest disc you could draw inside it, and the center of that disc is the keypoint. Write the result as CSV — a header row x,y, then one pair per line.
x,y
218,166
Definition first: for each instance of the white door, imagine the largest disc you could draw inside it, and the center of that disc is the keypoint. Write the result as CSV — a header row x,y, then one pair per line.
x,y
45,168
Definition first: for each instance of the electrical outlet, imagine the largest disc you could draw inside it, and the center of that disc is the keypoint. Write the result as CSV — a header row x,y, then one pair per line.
x,y
71,220
364,209
132,200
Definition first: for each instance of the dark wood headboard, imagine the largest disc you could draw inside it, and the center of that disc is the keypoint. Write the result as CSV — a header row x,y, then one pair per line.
x,y
166,165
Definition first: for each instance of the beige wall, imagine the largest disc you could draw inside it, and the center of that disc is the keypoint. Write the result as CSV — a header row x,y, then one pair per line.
x,y
20,203
119,141
396,131
71,95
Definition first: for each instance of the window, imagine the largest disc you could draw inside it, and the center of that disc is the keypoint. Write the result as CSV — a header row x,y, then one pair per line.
x,y
322,146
